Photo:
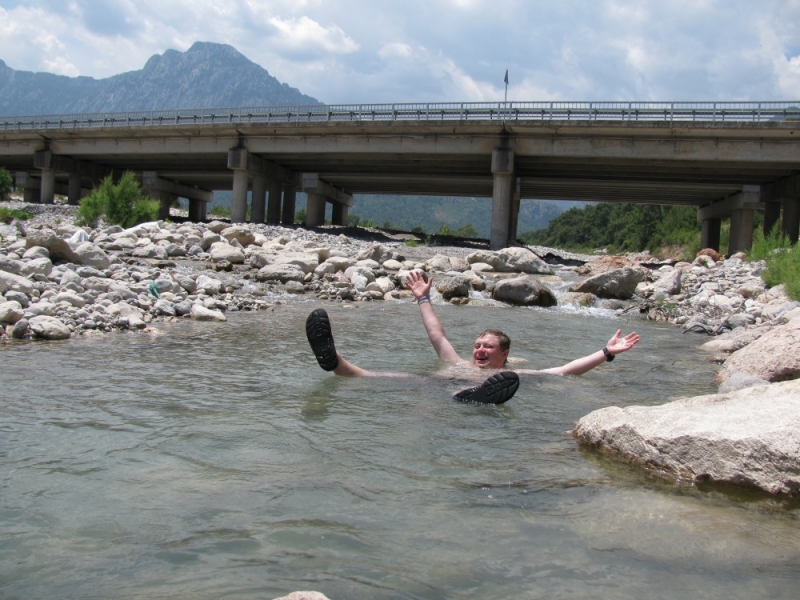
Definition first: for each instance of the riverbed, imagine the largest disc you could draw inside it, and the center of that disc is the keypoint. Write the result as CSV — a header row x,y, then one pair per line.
x,y
217,459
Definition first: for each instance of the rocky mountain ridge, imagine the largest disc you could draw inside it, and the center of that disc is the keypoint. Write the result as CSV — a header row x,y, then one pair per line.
x,y
206,75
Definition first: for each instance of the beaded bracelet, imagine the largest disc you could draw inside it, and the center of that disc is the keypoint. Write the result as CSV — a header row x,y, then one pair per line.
x,y
423,299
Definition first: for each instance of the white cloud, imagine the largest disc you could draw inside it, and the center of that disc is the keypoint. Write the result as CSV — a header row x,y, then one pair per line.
x,y
298,34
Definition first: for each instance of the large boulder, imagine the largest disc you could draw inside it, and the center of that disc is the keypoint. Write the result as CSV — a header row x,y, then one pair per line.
x,y
223,251
37,266
11,312
199,312
58,248
92,255
240,233
511,260
669,283
305,260
619,283
49,328
748,437
377,252
208,285
17,283
775,356
524,291
454,287
282,273
10,265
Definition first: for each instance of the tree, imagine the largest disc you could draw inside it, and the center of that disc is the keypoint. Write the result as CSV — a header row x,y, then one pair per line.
x,y
300,217
6,183
124,203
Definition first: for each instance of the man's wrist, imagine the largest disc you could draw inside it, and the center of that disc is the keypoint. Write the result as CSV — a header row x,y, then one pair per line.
x,y
609,356
422,299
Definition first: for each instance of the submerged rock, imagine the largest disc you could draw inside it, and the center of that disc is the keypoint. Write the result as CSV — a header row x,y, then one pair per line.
x,y
750,437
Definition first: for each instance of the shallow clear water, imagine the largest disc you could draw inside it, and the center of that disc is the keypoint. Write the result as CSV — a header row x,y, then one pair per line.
x,y
219,460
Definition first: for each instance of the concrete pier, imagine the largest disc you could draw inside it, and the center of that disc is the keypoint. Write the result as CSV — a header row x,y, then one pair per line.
x,y
315,210
274,208
289,200
258,198
710,233
502,197
237,161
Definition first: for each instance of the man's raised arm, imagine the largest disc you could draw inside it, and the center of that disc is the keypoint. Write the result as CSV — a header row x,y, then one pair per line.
x,y
615,346
421,290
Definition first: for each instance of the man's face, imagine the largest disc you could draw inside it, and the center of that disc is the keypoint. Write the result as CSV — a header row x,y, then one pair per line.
x,y
486,353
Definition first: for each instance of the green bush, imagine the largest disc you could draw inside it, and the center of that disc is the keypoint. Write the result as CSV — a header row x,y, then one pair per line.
x,y
124,203
9,214
783,260
6,183
300,217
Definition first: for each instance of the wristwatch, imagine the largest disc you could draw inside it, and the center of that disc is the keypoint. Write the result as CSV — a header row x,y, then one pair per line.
x,y
609,356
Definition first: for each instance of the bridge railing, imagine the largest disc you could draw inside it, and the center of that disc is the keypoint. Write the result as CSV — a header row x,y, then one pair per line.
x,y
681,112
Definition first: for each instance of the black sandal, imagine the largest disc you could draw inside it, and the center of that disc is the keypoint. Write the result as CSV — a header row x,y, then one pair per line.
x,y
497,389
318,332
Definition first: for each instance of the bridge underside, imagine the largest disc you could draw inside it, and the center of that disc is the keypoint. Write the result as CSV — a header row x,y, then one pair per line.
x,y
723,170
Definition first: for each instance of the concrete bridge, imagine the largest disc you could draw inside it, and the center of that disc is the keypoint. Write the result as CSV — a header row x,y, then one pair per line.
x,y
726,159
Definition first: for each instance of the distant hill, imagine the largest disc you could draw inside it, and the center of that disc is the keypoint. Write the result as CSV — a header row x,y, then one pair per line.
x,y
207,75
431,212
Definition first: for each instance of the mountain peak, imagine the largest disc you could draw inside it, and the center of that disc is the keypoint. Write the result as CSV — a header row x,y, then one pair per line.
x,y
207,75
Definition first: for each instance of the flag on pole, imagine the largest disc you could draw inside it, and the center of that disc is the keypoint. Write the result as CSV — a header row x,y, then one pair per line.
x,y
505,79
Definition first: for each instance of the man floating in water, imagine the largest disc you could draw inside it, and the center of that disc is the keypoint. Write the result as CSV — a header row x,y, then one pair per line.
x,y
490,350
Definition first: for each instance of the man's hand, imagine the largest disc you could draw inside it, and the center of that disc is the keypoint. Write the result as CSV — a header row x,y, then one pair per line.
x,y
617,344
417,284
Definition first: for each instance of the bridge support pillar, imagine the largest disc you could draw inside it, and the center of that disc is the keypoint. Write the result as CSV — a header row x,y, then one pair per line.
x,y
30,186
340,213
502,197
289,199
74,190
791,218
772,215
48,190
274,207
315,210
709,236
197,210
258,198
237,161
742,224
165,200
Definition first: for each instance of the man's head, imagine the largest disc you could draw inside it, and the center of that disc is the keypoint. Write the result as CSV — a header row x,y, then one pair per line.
x,y
490,350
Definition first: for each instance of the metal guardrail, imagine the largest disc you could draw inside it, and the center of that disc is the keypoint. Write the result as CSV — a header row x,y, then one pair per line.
x,y
672,112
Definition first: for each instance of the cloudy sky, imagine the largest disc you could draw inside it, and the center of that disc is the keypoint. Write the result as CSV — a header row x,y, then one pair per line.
x,y
343,51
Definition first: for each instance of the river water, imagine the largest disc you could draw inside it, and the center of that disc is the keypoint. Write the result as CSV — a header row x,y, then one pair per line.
x,y
217,459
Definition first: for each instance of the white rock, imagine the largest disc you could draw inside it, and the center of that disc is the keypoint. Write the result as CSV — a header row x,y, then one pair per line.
x,y
49,328
93,256
37,266
208,285
201,313
11,312
748,437
71,298
17,283
305,260
36,252
223,251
